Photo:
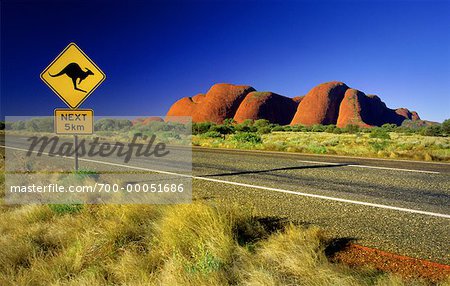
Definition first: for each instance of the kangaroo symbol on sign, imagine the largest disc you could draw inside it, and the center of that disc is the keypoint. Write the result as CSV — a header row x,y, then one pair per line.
x,y
74,71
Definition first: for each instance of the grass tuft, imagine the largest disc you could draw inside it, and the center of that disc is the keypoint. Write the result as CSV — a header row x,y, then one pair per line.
x,y
62,209
196,244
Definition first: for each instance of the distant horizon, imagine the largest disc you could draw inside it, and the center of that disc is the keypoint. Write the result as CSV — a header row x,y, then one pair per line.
x,y
156,52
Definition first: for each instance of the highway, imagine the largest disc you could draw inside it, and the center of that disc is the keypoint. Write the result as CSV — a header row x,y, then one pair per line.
x,y
396,206
403,184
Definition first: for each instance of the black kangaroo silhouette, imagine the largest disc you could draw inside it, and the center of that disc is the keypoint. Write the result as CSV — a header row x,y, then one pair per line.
x,y
74,71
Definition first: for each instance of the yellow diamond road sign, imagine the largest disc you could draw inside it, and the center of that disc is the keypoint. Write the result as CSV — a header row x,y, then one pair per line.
x,y
73,76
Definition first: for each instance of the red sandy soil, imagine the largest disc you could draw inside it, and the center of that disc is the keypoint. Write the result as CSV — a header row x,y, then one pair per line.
x,y
406,267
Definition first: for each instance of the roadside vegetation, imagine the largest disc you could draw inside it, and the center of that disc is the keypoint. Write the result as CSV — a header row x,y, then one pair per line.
x,y
196,244
430,143
412,140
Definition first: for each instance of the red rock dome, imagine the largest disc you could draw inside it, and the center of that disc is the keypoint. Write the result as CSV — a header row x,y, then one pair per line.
x,y
266,105
321,104
219,103
351,108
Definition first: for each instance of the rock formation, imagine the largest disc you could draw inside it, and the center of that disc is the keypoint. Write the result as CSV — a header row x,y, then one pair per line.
x,y
266,105
219,103
351,108
321,104
328,103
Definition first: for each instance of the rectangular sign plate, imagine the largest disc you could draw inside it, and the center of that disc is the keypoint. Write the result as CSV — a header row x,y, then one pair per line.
x,y
76,122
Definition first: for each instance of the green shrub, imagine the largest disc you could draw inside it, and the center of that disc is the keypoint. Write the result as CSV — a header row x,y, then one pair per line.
x,y
337,130
264,130
105,124
433,130
446,127
200,128
296,128
278,128
41,124
351,129
306,128
245,128
245,137
2,125
287,128
86,174
18,125
229,121
379,145
330,128
124,124
62,209
248,122
261,123
318,128
389,127
405,130
318,149
211,134
223,129
301,128
380,133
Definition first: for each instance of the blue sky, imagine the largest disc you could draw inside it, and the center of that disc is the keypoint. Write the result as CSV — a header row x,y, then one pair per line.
x,y
157,52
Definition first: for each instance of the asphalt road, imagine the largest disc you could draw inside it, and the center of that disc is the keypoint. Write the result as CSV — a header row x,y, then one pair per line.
x,y
396,206
409,185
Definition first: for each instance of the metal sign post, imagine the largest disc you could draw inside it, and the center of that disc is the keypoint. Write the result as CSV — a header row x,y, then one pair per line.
x,y
75,141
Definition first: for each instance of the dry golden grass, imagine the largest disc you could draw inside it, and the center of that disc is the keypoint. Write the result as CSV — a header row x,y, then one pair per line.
x,y
196,244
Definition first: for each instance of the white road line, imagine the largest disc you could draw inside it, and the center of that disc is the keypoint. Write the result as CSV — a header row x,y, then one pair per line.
x,y
369,167
393,169
319,162
381,206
